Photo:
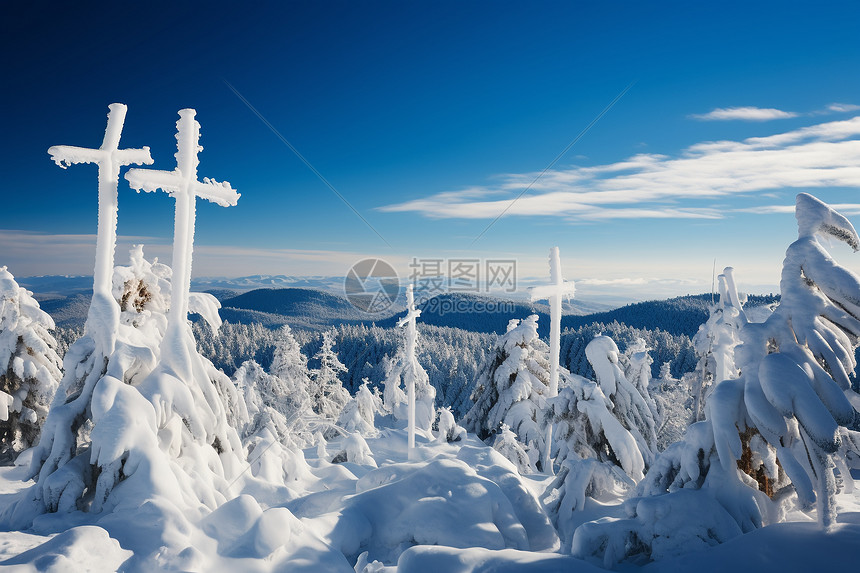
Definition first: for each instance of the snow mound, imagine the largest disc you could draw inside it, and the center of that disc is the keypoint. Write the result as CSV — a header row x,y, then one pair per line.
x,y
84,548
422,558
656,528
401,505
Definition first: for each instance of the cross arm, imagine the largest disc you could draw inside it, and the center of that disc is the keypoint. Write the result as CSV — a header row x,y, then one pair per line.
x,y
65,155
151,180
566,289
132,156
411,315
220,193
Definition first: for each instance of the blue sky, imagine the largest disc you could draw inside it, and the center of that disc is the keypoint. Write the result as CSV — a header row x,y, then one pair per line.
x,y
430,118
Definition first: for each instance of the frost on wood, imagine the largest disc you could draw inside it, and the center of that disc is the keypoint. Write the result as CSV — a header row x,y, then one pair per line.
x,y
512,388
403,371
553,292
103,314
146,424
29,366
183,186
715,343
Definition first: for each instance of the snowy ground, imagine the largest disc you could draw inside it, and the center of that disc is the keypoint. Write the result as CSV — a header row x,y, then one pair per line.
x,y
459,507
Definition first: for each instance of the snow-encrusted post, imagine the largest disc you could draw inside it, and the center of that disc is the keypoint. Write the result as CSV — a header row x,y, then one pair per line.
x,y
411,342
554,291
104,311
183,186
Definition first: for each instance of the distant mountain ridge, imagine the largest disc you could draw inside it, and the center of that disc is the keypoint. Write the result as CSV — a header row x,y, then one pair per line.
x,y
66,299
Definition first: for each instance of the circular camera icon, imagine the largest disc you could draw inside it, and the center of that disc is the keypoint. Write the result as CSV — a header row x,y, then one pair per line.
x,y
371,286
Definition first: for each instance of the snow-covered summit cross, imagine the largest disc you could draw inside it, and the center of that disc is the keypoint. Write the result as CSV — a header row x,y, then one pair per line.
x,y
109,159
183,186
554,292
408,321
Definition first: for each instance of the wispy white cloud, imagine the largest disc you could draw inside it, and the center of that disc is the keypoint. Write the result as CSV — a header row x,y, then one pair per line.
x,y
747,113
844,208
843,107
653,186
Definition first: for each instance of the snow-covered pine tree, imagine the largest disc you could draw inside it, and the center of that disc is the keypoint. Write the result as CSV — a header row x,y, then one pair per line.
x,y
64,461
359,414
674,403
328,396
512,387
605,435
506,444
607,420
277,424
715,343
447,428
638,372
268,397
784,426
629,406
288,362
29,367
794,397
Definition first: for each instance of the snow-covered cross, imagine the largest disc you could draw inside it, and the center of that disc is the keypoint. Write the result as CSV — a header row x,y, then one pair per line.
x,y
554,291
411,342
183,186
109,158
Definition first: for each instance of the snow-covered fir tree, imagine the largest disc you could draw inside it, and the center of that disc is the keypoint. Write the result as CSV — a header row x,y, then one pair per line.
x,y
605,436
715,343
278,423
274,400
506,444
328,396
672,397
448,429
793,402
512,387
29,366
359,414
637,370
630,407
288,362
783,427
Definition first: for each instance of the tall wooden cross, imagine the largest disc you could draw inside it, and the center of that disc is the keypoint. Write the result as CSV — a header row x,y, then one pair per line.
x,y
554,291
408,321
183,186
109,159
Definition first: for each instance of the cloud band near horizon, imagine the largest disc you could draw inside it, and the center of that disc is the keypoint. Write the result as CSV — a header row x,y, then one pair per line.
x,y
652,186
